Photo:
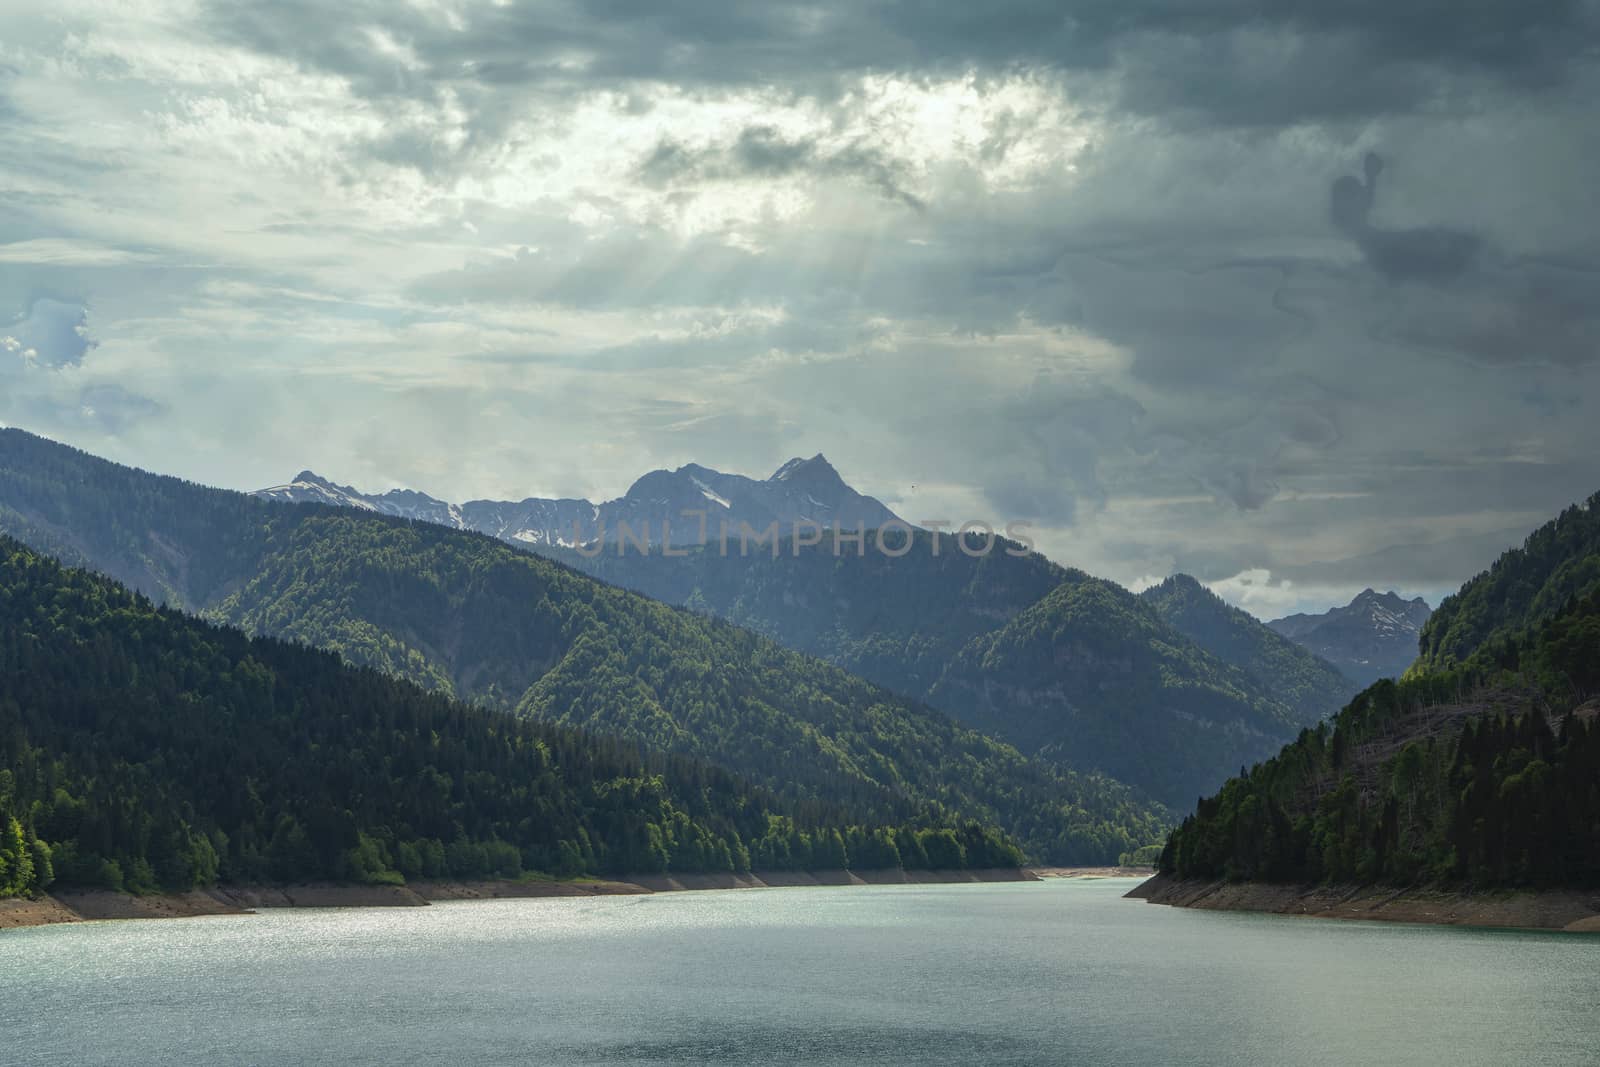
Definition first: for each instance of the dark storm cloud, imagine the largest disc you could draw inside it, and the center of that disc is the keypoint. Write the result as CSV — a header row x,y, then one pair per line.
x,y
1261,355
1429,253
1046,446
1232,61
1258,77
763,152
1116,266
1218,564
1212,325
1244,482
1522,313
1443,563
1478,302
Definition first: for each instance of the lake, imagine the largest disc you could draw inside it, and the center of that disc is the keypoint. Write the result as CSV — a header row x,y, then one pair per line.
x,y
1015,973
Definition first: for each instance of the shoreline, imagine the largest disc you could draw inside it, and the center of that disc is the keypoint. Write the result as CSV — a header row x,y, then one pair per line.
x,y
1093,872
1567,910
94,905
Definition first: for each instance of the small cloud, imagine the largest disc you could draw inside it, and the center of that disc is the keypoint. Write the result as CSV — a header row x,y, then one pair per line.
x,y
1256,591
1245,483
765,153
53,333
1427,253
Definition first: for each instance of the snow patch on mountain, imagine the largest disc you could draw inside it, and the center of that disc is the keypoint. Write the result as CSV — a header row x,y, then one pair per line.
x,y
1374,636
661,506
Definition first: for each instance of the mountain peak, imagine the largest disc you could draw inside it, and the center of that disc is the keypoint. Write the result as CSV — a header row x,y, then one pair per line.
x,y
1185,586
1185,592
815,467
1389,599
309,481
802,490
1374,636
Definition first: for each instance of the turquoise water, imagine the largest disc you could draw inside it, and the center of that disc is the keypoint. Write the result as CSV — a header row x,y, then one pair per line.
x,y
1027,973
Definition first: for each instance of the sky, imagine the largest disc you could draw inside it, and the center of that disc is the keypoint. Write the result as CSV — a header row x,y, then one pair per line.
x,y
1299,298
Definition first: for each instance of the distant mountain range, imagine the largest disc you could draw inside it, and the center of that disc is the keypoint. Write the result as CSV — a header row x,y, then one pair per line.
x,y
1477,768
1374,636
463,614
1169,692
661,507
1058,662
1308,684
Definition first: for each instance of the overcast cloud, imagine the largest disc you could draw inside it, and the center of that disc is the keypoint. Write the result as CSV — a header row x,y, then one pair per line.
x,y
1300,297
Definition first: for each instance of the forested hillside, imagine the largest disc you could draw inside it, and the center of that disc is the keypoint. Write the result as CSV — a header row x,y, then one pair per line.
x,y
1558,562
142,749
1046,657
895,620
474,618
1092,674
1311,687
1486,773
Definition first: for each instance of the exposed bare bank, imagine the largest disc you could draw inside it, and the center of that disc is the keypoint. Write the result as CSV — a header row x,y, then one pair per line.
x,y
1570,910
80,906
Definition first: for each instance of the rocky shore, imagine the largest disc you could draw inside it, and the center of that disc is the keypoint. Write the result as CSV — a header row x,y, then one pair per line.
x,y
1576,911
88,905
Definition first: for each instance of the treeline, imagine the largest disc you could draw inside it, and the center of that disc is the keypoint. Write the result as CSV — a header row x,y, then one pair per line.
x,y
87,512
470,617
1309,686
1558,564
1093,676
1454,776
1167,691
142,749
895,620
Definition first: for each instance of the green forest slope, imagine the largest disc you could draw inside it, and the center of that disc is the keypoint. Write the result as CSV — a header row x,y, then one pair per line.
x,y
474,618
1311,687
1481,766
144,749
1056,662
1559,562
1091,673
